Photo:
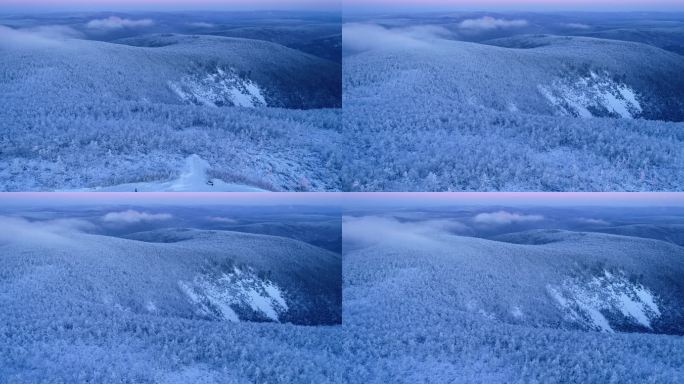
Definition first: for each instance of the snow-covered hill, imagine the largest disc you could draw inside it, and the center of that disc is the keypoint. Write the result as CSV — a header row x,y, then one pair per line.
x,y
570,306
93,293
82,114
207,274
542,113
178,69
673,233
505,77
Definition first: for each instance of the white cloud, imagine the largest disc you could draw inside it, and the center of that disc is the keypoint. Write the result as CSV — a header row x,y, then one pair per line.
x,y
39,36
503,217
201,24
21,230
488,23
576,26
360,37
593,221
369,230
131,217
225,220
115,22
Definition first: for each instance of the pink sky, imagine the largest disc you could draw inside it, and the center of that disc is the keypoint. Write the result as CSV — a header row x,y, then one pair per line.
x,y
617,5
626,199
170,4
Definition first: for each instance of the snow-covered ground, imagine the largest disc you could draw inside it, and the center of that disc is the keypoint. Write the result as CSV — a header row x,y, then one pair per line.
x,y
193,178
247,149
219,88
593,96
236,288
423,304
611,292
173,305
436,114
92,115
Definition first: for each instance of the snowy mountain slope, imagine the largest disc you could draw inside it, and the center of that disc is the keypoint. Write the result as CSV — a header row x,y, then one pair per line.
x,y
307,231
209,275
666,232
193,178
288,261
124,145
525,276
218,89
509,119
475,149
673,233
284,77
83,114
668,37
320,39
507,78
93,293
594,95
83,69
446,308
625,84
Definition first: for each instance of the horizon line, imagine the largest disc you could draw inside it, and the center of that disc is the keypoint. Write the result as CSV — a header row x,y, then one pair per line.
x,y
351,199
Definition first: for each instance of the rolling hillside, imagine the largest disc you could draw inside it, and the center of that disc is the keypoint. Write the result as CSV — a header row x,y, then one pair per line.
x,y
173,305
93,115
153,68
542,113
548,306
179,274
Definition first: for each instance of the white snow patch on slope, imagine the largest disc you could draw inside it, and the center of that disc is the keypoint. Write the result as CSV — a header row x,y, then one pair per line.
x,y
517,313
219,88
239,288
587,302
193,178
151,307
595,95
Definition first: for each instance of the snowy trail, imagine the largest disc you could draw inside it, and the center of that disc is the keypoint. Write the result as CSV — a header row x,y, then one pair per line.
x,y
193,178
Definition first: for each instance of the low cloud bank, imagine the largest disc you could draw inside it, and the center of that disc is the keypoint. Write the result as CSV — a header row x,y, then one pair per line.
x,y
39,36
201,24
359,37
223,220
504,218
115,22
488,23
131,217
593,221
370,230
21,230
576,26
